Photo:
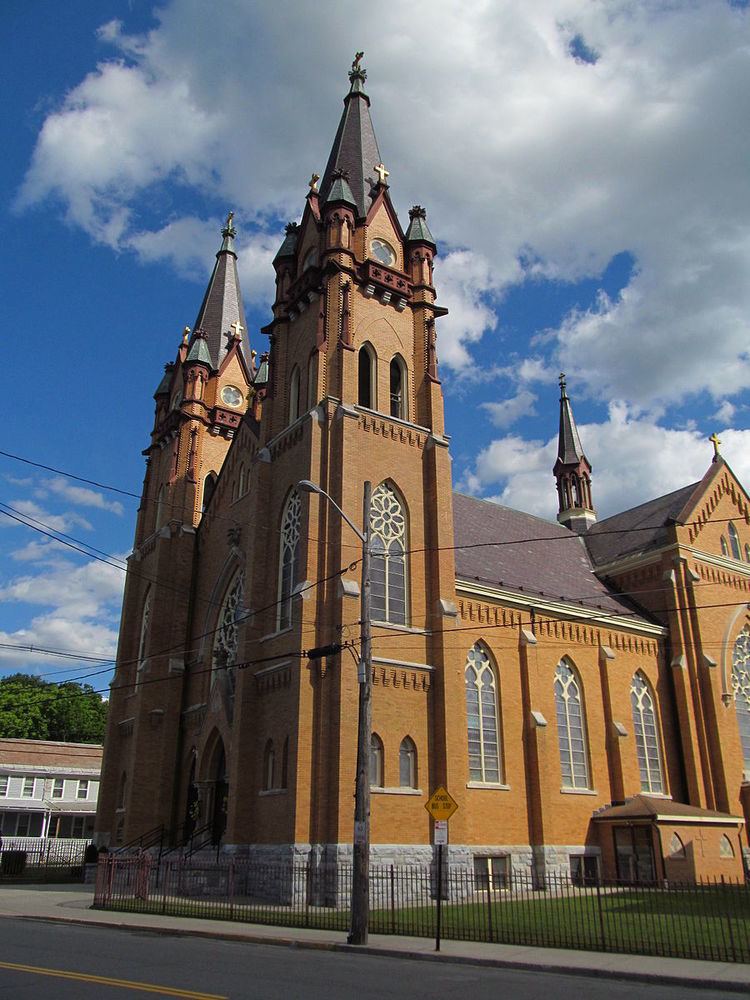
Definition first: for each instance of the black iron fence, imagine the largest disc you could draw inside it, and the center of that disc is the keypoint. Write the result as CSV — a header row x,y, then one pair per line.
x,y
706,920
43,860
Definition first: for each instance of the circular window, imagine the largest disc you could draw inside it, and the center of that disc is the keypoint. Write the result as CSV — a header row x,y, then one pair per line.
x,y
231,395
383,252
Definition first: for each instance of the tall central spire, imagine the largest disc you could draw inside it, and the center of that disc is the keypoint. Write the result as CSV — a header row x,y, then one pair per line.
x,y
355,148
572,471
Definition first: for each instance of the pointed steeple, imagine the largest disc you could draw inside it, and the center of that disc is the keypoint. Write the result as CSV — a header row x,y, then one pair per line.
x,y
355,148
572,471
419,231
222,304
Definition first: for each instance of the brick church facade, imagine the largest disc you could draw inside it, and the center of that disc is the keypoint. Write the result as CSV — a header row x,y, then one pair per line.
x,y
582,688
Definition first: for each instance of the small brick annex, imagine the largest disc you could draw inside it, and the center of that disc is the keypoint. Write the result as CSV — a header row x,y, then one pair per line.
x,y
548,674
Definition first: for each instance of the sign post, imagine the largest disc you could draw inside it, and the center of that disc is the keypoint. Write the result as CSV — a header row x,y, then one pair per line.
x,y
441,806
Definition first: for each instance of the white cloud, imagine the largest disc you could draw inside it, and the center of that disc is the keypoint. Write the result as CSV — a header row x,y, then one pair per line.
x,y
520,151
634,459
508,411
44,519
83,603
82,496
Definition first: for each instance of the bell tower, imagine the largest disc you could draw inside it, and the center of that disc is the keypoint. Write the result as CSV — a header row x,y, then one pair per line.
x,y
572,472
200,402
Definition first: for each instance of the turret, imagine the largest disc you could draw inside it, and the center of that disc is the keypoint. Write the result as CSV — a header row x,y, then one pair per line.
x,y
572,472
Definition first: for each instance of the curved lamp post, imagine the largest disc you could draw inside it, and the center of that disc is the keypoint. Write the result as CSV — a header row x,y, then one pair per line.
x,y
361,871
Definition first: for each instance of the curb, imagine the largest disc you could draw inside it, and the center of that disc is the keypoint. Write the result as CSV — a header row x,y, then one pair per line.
x,y
665,979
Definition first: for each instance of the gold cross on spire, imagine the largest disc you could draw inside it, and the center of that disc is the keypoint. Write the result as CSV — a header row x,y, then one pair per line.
x,y
237,327
381,172
715,441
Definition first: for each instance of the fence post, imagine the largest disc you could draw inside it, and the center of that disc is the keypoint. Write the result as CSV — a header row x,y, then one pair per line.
x,y
725,907
393,901
600,910
166,883
490,929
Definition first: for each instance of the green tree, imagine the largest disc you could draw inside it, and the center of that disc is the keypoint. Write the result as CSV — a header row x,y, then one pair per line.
x,y
33,709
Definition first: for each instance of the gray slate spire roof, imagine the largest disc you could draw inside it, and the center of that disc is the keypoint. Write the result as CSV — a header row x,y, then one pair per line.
x,y
289,245
222,304
199,349
418,230
355,148
569,448
340,190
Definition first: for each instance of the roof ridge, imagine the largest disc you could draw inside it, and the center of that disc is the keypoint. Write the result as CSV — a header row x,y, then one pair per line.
x,y
646,503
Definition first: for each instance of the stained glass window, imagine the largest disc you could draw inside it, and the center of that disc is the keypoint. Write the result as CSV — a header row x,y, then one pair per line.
x,y
571,728
226,639
741,691
407,763
482,717
388,565
647,746
289,561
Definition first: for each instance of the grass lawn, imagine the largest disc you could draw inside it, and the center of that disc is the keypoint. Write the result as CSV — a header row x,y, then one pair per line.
x,y
708,924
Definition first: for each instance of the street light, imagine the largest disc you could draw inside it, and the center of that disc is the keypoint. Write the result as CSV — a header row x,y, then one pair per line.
x,y
361,871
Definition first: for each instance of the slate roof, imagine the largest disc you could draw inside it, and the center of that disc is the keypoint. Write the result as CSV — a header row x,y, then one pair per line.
x,y
548,560
355,148
645,807
222,306
418,230
636,530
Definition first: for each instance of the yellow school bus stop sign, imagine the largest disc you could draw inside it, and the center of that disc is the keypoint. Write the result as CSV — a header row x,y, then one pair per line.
x,y
441,804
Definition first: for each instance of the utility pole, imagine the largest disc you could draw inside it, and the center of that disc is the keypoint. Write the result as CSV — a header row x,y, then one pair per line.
x,y
361,870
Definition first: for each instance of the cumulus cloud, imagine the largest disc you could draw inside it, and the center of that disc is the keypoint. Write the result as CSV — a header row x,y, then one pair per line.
x,y
81,495
634,458
508,411
33,512
545,139
81,611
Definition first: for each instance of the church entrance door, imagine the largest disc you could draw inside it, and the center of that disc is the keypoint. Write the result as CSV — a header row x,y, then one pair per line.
x,y
219,805
634,850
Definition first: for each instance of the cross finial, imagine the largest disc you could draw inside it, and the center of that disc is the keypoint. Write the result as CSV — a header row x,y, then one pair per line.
x,y
237,327
357,60
186,335
313,185
561,381
715,441
381,172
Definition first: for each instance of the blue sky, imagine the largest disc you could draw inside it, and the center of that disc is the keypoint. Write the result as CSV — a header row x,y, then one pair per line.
x,y
584,167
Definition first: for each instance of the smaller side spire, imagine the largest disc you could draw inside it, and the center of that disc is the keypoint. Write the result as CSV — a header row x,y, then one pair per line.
x,y
228,234
289,245
199,352
340,190
419,231
572,471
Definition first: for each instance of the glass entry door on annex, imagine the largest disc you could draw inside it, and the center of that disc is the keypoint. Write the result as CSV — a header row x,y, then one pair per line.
x,y
634,853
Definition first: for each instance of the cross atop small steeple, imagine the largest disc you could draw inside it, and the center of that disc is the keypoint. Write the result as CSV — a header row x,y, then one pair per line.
x,y
561,382
381,172
715,441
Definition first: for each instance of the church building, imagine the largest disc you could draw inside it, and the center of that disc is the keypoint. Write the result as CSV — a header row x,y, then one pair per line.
x,y
581,688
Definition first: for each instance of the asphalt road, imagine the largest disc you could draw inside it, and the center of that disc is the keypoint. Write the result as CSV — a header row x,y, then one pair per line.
x,y
70,962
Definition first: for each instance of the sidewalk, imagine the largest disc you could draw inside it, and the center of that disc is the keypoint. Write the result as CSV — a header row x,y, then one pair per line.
x,y
71,903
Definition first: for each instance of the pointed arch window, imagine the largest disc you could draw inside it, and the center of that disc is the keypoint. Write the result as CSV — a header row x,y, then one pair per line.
x,y
724,546
122,790
144,635
725,847
285,764
160,507
294,407
398,388
482,717
376,761
747,553
209,486
289,558
226,639
407,763
388,564
734,541
646,732
269,764
676,848
571,728
366,378
741,691
311,379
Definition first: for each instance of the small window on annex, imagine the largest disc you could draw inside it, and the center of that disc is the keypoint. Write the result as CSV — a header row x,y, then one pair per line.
x,y
58,788
269,763
491,874
725,847
407,763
